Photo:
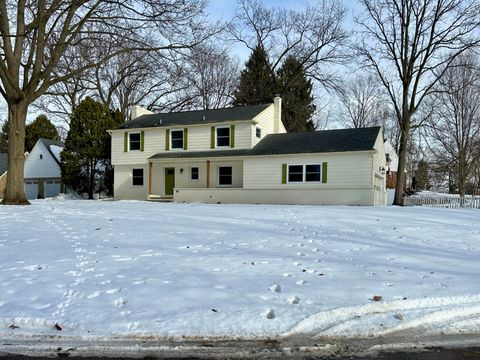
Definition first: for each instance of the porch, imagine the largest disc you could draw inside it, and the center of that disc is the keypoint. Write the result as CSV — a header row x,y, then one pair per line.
x,y
165,175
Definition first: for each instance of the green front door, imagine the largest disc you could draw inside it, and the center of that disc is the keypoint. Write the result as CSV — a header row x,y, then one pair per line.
x,y
169,180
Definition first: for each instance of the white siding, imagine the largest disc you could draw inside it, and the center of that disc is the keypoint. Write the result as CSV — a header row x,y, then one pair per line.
x,y
41,164
199,139
378,171
123,188
347,170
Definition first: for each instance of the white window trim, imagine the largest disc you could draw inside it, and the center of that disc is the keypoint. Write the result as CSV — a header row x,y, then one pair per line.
x,y
304,174
229,136
131,133
171,142
131,177
218,176
190,173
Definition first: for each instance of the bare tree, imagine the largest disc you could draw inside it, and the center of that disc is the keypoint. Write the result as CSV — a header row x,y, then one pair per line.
x,y
362,102
212,76
36,35
409,45
455,122
314,36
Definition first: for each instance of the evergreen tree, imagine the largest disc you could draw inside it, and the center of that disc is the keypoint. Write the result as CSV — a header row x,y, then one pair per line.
x,y
41,127
257,82
86,157
4,137
297,99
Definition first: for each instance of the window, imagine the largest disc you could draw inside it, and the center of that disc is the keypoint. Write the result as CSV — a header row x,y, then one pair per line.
x,y
177,139
295,173
258,132
225,175
134,141
194,173
137,177
312,173
223,136
304,173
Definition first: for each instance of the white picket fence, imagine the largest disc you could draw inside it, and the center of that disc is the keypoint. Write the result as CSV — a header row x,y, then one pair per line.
x,y
443,200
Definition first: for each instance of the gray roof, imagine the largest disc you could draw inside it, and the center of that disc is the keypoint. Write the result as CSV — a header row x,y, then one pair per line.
x,y
48,143
3,162
237,113
294,143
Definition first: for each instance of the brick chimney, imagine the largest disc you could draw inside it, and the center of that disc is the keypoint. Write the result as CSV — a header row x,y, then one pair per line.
x,y
277,113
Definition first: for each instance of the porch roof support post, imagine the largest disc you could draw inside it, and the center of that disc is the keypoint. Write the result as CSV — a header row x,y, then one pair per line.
x,y
149,178
208,174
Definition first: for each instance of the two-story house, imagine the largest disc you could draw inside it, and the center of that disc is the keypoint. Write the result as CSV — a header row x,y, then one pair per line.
x,y
244,155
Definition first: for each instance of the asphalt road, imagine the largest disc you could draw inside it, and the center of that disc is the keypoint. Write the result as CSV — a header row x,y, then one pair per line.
x,y
430,354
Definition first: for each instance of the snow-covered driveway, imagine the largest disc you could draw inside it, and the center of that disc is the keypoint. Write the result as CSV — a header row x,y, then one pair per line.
x,y
136,268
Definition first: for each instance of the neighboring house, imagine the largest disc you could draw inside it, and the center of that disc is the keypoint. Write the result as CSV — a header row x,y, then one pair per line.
x,y
392,165
244,155
42,170
3,173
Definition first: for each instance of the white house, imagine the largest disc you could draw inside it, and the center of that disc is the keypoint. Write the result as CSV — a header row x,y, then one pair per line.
x,y
42,170
244,155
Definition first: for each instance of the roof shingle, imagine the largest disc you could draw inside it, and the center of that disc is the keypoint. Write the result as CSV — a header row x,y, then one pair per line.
x,y
326,141
238,113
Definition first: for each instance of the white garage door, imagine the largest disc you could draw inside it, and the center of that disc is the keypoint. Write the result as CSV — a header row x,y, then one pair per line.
x,y
52,188
31,189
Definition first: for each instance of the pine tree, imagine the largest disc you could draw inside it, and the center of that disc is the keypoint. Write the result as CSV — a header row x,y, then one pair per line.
x,y
297,100
4,137
257,82
41,127
86,155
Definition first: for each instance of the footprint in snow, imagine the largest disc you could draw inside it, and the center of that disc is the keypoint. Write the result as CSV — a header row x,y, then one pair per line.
x,y
276,288
293,300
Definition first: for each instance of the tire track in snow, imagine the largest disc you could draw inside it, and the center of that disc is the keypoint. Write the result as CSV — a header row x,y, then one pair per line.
x,y
464,307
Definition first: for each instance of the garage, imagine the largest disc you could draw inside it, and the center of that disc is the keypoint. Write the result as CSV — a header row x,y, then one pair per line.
x,y
52,188
31,189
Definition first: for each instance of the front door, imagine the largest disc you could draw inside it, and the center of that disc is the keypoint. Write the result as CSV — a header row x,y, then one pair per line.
x,y
169,180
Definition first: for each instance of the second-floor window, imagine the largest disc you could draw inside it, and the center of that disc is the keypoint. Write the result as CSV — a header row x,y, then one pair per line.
x,y
258,132
223,136
134,141
177,139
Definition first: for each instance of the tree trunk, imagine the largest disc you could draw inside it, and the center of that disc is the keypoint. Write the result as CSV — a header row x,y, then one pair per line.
x,y
15,192
91,181
402,162
462,177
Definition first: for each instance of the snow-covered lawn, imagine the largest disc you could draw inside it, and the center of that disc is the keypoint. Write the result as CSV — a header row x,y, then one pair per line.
x,y
136,268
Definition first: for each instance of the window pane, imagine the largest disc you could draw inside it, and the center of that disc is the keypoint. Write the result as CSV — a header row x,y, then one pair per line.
x,y
137,177
177,139
295,173
312,173
223,136
134,141
225,175
259,132
194,173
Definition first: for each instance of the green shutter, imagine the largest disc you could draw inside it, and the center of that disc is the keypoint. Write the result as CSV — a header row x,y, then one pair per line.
x,y
142,140
232,136
125,141
324,172
167,139
185,139
212,137
284,173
